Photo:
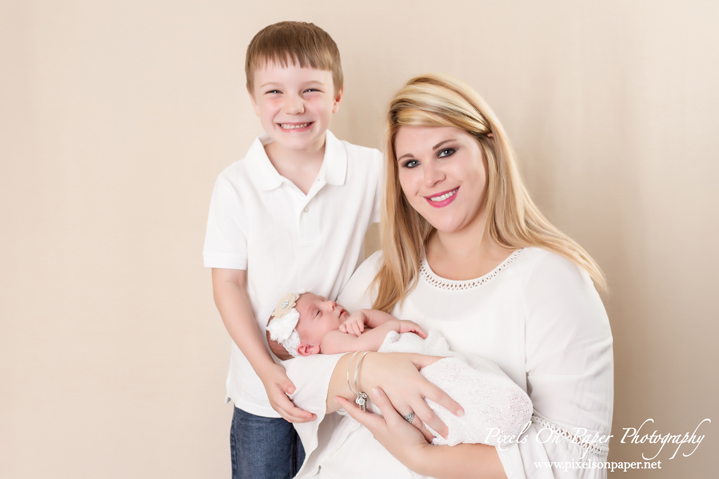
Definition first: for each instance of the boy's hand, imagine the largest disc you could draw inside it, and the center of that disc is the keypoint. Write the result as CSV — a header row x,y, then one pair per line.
x,y
354,324
278,386
406,326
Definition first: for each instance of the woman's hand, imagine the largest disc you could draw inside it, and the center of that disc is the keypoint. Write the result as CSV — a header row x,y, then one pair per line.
x,y
407,444
404,441
397,375
278,386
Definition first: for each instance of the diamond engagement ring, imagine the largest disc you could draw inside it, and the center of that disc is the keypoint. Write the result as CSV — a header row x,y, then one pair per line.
x,y
409,417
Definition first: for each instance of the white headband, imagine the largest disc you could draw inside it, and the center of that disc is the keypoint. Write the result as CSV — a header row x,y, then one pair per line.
x,y
284,321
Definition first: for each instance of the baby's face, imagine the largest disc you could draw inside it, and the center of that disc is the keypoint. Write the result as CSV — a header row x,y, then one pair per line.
x,y
318,316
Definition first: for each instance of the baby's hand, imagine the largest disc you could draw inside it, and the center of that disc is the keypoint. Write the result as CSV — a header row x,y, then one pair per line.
x,y
354,324
406,326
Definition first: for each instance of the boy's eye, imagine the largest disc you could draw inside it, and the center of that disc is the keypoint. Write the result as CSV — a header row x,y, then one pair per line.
x,y
410,163
446,152
272,92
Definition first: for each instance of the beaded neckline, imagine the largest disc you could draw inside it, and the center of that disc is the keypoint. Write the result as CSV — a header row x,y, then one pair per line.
x,y
454,285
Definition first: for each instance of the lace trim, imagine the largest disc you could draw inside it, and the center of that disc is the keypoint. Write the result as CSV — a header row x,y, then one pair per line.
x,y
600,449
426,272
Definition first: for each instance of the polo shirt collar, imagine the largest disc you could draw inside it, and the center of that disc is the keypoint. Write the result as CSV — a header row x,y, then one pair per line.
x,y
266,177
335,161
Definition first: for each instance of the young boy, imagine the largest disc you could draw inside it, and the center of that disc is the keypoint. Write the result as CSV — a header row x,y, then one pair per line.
x,y
495,407
293,213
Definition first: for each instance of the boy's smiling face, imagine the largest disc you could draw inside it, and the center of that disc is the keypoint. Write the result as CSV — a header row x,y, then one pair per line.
x,y
295,105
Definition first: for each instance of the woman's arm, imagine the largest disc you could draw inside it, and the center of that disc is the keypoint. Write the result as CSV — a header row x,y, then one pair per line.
x,y
321,377
568,350
398,375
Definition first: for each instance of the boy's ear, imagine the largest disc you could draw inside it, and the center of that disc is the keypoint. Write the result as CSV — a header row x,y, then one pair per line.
x,y
338,100
305,349
254,103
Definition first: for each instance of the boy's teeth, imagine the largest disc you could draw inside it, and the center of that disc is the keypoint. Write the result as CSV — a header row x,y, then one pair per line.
x,y
444,196
293,127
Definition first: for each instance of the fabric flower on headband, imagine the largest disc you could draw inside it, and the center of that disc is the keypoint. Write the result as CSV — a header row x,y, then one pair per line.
x,y
286,304
285,319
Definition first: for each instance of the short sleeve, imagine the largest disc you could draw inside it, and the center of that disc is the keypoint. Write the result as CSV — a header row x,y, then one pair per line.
x,y
356,293
570,372
226,238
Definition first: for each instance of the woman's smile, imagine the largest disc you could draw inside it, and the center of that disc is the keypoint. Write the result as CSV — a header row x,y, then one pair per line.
x,y
442,199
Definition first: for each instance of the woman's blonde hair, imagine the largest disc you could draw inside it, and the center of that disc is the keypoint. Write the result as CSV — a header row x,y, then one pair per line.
x,y
513,220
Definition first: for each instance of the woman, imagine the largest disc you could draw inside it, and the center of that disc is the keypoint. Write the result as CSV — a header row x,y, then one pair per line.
x,y
465,251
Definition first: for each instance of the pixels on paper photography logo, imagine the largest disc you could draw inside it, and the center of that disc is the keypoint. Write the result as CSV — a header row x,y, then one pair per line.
x,y
653,442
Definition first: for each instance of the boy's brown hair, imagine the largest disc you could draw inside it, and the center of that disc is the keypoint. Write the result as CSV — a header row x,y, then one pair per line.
x,y
301,43
276,347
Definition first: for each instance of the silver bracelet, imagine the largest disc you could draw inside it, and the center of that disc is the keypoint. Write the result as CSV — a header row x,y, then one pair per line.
x,y
362,397
349,366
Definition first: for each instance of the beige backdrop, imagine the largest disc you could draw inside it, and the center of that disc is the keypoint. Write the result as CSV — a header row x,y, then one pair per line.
x,y
117,116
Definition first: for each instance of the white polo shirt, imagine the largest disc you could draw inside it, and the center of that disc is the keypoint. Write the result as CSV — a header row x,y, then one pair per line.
x,y
286,240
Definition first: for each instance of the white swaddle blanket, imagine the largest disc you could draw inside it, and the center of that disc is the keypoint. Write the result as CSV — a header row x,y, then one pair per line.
x,y
494,406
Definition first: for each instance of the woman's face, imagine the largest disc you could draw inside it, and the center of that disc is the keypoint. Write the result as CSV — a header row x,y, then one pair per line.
x,y
443,175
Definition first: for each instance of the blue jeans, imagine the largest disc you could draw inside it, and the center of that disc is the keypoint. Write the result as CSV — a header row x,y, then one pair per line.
x,y
264,447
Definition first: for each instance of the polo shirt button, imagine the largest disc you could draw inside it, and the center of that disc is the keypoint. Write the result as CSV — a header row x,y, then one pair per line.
x,y
307,209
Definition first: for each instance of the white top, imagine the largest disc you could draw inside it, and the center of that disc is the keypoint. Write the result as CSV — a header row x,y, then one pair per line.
x,y
538,317
286,240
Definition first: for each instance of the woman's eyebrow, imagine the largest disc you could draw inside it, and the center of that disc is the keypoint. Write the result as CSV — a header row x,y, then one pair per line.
x,y
442,143
434,148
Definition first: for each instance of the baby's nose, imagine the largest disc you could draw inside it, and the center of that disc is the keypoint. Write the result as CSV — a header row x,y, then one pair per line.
x,y
330,305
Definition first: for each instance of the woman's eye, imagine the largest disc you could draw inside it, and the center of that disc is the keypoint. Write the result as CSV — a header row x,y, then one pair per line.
x,y
446,152
410,163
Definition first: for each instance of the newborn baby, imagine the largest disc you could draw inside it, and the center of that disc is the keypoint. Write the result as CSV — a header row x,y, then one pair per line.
x,y
495,407
322,326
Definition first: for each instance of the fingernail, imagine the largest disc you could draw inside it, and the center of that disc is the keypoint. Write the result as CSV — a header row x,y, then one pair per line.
x,y
460,412
377,392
